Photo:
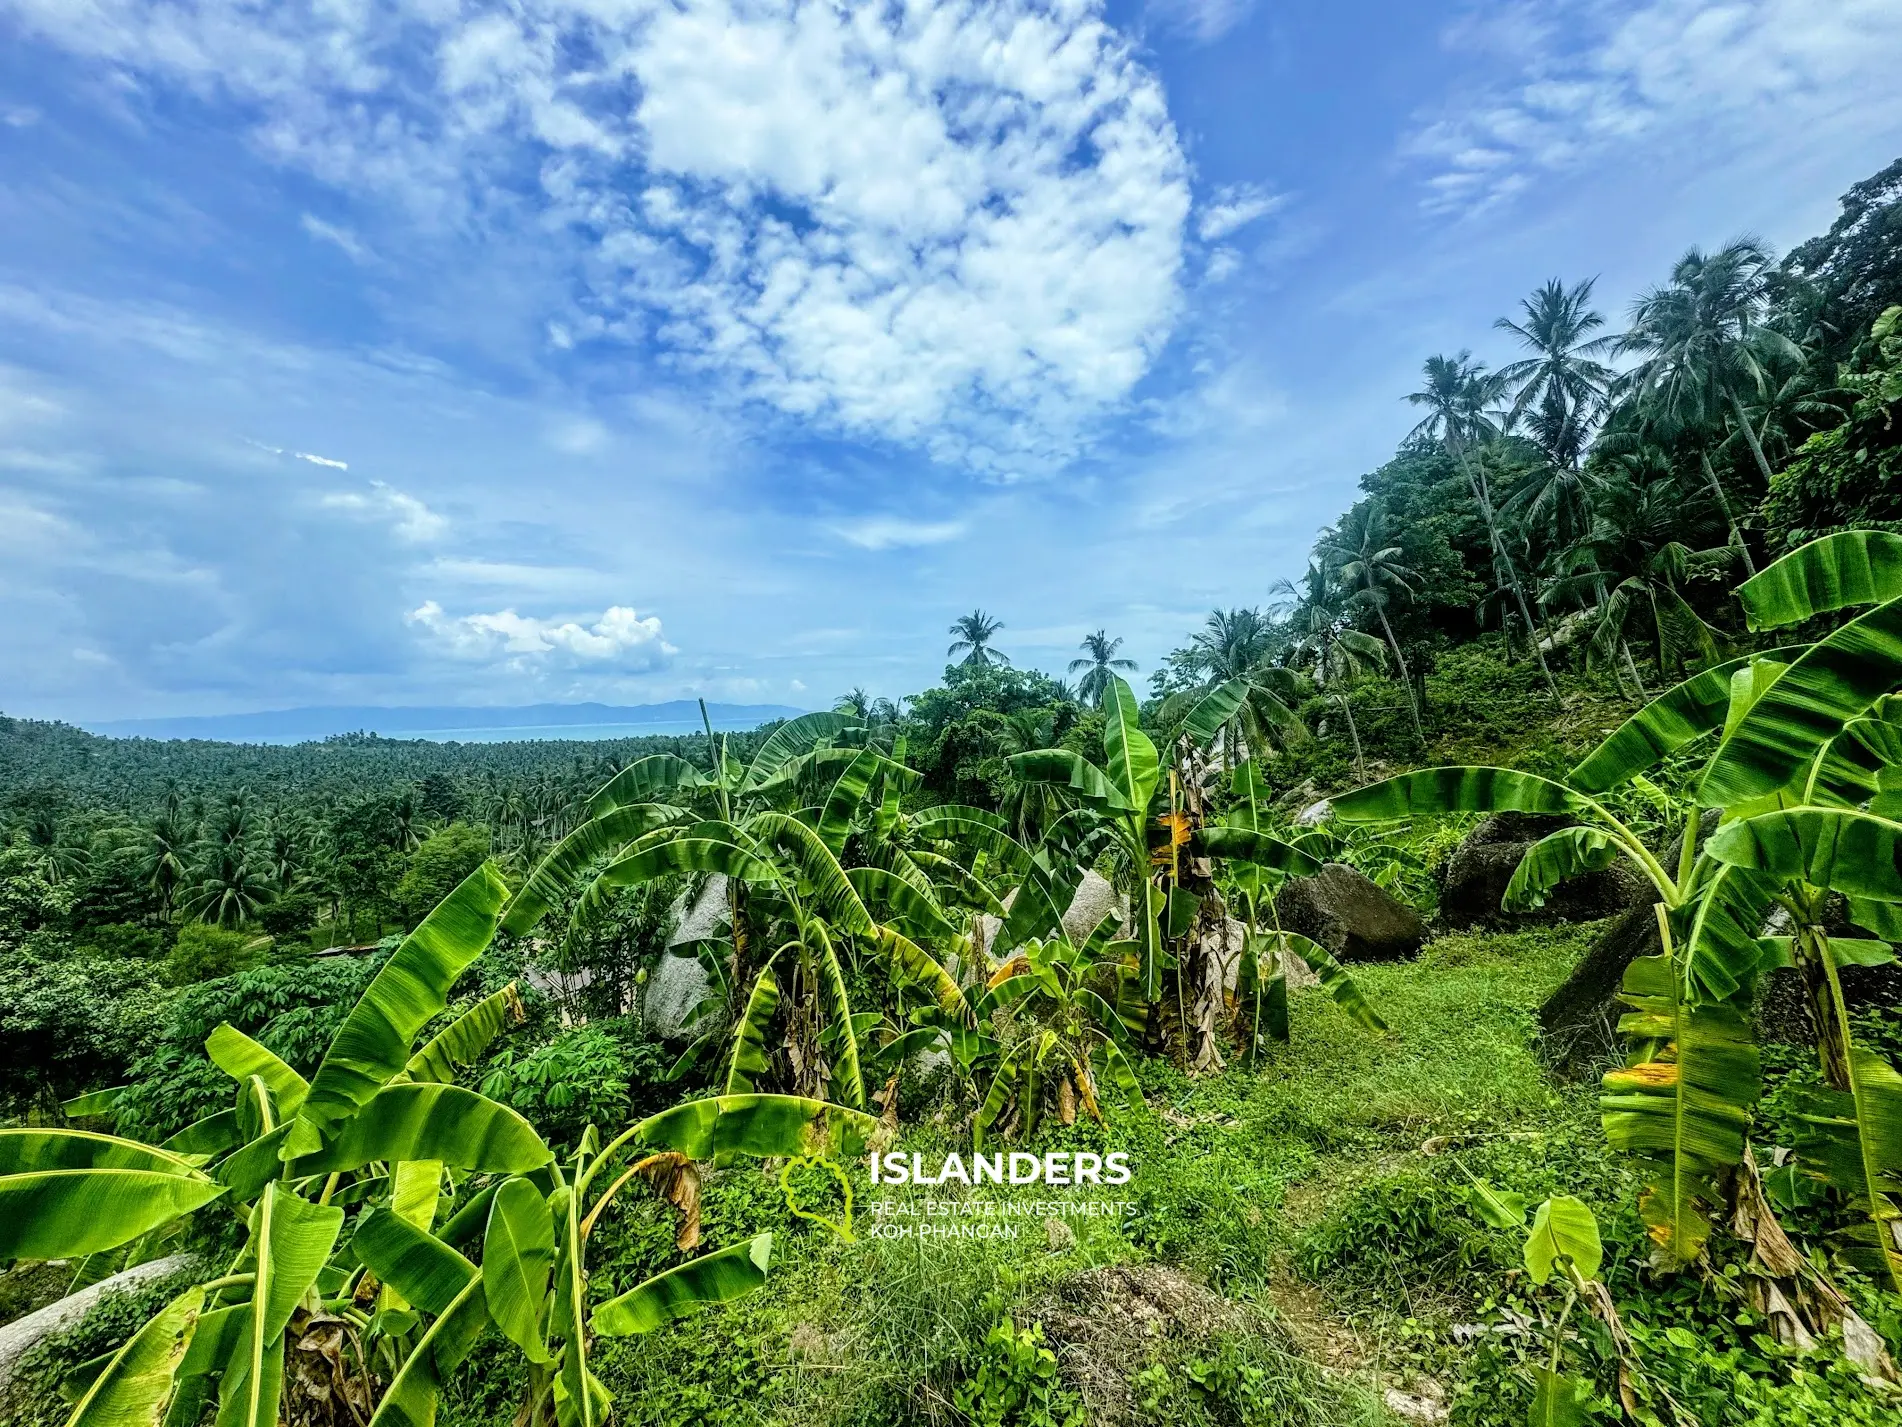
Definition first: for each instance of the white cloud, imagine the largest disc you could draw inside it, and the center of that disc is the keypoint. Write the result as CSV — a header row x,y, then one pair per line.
x,y
1595,76
619,637
880,532
1202,20
342,238
1233,207
407,517
958,227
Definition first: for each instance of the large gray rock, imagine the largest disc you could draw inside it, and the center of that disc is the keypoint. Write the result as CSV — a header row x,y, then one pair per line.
x,y
1473,880
1350,915
679,982
23,1333
1095,899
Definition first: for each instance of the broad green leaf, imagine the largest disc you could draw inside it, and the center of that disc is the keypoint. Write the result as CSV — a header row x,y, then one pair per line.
x,y
67,1193
415,1390
1716,928
1832,682
1334,979
1128,755
995,1100
93,1102
518,1255
433,1122
826,883
1257,848
1563,1227
918,965
1852,567
1042,898
848,1081
1837,848
1861,1154
606,833
215,1340
212,1135
842,802
1674,718
1500,1208
374,1041
1070,770
749,1040
463,1040
1559,1400
1553,859
957,880
413,1261
251,1166
1682,1114
703,847
766,1126
646,780
240,1057
916,908
713,1278
134,1385
1433,791
975,828
790,740
291,1239
1213,711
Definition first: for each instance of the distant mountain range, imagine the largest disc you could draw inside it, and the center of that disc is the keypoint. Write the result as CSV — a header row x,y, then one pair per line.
x,y
466,725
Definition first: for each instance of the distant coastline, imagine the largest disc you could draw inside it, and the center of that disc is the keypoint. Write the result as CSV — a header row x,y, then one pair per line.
x,y
586,721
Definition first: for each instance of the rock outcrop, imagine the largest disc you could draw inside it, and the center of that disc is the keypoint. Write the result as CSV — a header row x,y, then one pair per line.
x,y
1351,916
1473,880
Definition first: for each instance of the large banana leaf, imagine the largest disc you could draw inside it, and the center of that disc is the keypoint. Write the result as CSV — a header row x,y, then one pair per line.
x,y
93,1102
134,1386
1042,898
917,908
828,887
1334,979
1128,755
1859,1151
1838,848
604,834
1259,849
415,1390
790,740
1563,1227
1674,718
1716,928
975,828
464,1039
1567,853
413,1261
518,1255
1853,567
1831,683
291,1240
1213,711
250,1167
712,1278
646,780
240,1057
1070,770
919,965
430,1121
373,1044
68,1193
766,1126
847,793
1433,791
848,1080
212,1135
749,1041
1684,1113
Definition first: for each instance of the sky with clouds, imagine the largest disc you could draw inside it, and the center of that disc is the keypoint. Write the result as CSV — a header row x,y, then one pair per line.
x,y
459,351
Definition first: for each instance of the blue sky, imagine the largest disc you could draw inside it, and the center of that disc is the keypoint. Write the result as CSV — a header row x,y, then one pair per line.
x,y
447,351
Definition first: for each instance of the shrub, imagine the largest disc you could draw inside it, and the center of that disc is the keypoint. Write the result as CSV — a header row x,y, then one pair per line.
x,y
204,952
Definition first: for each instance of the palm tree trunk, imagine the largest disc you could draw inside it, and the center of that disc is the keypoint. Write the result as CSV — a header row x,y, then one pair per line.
x,y
1723,501
1644,694
1406,679
1360,763
1477,480
1750,437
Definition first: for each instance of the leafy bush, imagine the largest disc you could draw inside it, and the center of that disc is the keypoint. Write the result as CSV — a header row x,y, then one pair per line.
x,y
583,1075
1014,1382
204,952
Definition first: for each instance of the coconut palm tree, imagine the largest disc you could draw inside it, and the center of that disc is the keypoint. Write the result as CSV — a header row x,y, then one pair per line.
x,y
858,703
1361,555
1457,395
230,888
1562,385
974,633
165,857
1327,644
1706,352
1099,661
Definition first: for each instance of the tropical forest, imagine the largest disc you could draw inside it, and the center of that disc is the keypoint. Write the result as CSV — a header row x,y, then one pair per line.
x,y
1458,984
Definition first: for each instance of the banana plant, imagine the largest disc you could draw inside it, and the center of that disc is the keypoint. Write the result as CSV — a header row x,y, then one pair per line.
x,y
792,904
318,1171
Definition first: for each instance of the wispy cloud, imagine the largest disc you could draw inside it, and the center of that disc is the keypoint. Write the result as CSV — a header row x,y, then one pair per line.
x,y
1596,76
957,228
340,238
888,532
408,518
1201,20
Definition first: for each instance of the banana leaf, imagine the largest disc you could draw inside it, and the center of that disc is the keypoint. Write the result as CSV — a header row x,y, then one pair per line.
x,y
916,907
975,828
848,1080
1567,853
790,740
413,1261
136,1381
518,1256
93,1102
646,780
828,886
1852,567
1844,850
426,1121
915,963
414,1392
1213,710
765,1126
1258,849
1563,1227
1334,979
1674,718
1433,791
69,1193
462,1042
712,1278
606,833
373,1043
749,1041
1858,1150
842,801
291,1240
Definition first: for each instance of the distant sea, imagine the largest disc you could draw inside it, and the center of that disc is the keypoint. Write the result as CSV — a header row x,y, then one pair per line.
x,y
460,725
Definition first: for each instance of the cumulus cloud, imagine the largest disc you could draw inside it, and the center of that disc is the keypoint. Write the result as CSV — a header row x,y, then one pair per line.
x,y
1592,76
619,637
407,517
881,532
958,227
